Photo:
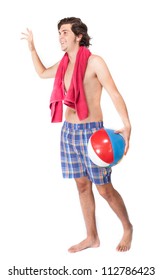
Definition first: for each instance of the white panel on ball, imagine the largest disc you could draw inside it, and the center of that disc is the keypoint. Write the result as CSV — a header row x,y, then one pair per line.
x,y
94,157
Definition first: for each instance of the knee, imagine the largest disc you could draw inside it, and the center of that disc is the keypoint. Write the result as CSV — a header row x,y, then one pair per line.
x,y
83,185
106,191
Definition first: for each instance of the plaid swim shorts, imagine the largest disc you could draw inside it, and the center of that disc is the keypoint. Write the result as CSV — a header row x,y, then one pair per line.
x,y
75,161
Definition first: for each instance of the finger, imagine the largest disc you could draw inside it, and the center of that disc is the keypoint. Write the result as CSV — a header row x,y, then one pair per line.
x,y
118,131
24,34
126,149
23,38
30,32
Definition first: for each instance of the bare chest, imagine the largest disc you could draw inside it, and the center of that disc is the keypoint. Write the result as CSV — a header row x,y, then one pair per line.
x,y
90,81
68,76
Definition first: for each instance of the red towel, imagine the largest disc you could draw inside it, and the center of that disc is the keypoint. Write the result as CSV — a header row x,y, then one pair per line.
x,y
75,96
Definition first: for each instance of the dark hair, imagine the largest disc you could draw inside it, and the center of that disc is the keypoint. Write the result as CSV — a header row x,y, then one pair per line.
x,y
77,27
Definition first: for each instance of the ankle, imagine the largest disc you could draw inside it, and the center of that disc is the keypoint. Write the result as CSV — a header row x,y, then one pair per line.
x,y
92,236
127,227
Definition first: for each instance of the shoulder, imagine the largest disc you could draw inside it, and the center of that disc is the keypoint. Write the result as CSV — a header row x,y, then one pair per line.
x,y
97,63
96,60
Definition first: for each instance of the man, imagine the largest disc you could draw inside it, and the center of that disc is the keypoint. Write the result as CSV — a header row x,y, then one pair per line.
x,y
81,120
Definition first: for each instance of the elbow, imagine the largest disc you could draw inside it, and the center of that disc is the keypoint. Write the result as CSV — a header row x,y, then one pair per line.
x,y
41,75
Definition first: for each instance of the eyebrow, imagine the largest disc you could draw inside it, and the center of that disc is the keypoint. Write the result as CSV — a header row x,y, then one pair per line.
x,y
63,30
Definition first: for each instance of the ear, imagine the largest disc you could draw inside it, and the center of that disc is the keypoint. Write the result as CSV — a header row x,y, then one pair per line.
x,y
79,37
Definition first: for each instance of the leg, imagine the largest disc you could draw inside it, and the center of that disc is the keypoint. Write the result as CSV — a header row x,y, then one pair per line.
x,y
88,208
116,203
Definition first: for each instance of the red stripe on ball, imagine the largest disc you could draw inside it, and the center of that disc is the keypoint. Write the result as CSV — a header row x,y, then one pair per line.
x,y
102,146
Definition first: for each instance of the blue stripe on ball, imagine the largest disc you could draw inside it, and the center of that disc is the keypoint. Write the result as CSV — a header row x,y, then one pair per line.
x,y
118,145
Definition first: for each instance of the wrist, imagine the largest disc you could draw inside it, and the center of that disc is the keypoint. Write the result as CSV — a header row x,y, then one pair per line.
x,y
128,126
32,49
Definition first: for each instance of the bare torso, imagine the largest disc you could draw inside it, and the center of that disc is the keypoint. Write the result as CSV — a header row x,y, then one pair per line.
x,y
93,90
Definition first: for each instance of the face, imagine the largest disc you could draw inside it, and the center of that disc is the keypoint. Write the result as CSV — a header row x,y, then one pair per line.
x,y
67,38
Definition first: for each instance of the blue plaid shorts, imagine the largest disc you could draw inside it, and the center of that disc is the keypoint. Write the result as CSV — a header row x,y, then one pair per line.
x,y
75,161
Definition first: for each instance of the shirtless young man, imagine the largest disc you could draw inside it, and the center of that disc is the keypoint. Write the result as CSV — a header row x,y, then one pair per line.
x,y
97,77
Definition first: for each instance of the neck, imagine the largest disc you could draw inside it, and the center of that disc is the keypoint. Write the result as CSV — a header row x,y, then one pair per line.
x,y
72,54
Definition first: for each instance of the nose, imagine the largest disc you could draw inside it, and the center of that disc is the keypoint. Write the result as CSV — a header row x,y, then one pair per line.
x,y
60,35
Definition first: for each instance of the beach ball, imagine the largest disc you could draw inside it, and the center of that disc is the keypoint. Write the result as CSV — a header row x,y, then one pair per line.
x,y
105,147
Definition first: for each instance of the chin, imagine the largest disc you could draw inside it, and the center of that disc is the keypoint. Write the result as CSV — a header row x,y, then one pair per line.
x,y
64,49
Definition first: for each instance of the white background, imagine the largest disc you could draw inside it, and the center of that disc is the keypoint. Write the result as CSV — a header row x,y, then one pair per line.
x,y
40,212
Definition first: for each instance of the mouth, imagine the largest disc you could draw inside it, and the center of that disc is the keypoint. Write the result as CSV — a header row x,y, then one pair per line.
x,y
63,45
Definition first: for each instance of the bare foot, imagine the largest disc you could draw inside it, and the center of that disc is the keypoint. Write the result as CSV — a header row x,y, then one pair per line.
x,y
125,243
87,243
